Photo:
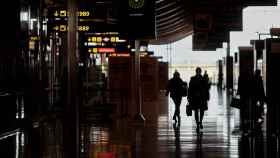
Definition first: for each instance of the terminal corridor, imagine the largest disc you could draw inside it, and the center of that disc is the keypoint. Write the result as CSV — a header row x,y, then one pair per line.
x,y
93,79
162,137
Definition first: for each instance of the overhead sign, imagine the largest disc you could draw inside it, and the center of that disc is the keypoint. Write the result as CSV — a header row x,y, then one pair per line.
x,y
199,40
106,39
202,22
202,42
90,19
218,36
137,18
106,50
64,28
101,50
136,4
59,12
64,13
106,42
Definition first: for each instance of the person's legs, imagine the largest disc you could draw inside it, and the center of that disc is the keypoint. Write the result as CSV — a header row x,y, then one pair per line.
x,y
177,102
178,108
201,117
174,101
245,116
175,112
196,116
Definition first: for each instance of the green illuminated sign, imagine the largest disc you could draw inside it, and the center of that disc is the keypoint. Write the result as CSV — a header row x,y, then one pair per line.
x,y
136,4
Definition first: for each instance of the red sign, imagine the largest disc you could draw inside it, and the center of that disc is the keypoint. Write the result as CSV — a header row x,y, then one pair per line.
x,y
106,50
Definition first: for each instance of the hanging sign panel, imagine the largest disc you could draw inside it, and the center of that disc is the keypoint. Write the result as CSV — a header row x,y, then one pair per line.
x,y
137,18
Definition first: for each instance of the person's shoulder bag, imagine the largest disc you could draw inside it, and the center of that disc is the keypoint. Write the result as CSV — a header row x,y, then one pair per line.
x,y
235,102
188,109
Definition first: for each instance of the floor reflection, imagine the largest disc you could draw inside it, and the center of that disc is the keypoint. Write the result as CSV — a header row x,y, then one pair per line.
x,y
176,128
160,136
252,146
198,151
165,138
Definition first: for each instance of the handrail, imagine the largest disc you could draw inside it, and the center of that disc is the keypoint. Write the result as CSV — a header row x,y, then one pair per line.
x,y
9,134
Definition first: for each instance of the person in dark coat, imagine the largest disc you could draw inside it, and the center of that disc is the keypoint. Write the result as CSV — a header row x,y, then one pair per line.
x,y
208,84
246,92
175,86
197,96
258,95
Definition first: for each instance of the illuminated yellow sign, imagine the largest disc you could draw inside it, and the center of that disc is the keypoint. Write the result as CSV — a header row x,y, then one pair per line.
x,y
113,39
93,50
64,13
101,50
63,28
34,38
31,45
99,39
84,13
83,28
56,13
93,39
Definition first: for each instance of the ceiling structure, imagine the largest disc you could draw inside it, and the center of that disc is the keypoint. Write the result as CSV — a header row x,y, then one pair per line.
x,y
166,21
208,21
173,21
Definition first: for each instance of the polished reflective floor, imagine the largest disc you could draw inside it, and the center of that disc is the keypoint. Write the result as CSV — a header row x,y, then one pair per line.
x,y
121,136
161,137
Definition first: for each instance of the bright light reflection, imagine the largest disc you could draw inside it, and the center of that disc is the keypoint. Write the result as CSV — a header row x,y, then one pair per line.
x,y
23,16
99,135
17,144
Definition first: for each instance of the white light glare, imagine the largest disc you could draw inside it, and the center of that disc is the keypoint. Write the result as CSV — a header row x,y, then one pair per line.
x,y
23,16
32,21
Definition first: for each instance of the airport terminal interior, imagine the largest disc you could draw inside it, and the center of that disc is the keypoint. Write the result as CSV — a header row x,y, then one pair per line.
x,y
78,80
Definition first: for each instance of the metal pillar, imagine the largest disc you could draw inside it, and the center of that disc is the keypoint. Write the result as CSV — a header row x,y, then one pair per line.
x,y
228,49
139,115
71,130
229,69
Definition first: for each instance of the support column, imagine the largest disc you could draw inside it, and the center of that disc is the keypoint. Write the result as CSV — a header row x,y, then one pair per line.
x,y
229,69
138,93
71,119
228,49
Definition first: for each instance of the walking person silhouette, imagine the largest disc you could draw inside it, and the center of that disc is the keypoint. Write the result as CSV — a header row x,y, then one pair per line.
x,y
208,85
198,96
258,98
246,92
175,87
